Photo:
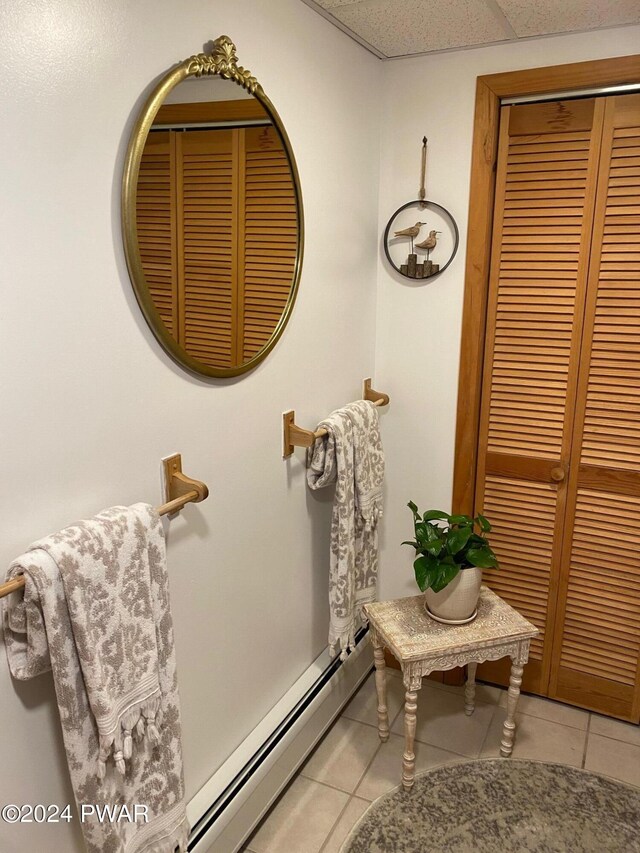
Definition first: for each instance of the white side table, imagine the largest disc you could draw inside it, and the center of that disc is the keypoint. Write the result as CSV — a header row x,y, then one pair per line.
x,y
421,645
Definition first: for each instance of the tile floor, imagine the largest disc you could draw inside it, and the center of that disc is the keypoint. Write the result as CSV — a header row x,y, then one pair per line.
x,y
351,767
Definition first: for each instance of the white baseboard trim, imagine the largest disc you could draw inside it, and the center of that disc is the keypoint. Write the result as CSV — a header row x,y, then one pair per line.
x,y
227,809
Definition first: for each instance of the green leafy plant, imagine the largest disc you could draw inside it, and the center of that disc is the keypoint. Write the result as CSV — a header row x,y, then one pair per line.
x,y
446,544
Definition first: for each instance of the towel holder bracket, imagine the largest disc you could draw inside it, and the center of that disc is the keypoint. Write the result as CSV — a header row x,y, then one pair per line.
x,y
376,397
179,488
293,435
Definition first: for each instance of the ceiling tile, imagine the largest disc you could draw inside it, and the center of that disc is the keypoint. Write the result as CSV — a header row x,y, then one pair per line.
x,y
542,17
403,27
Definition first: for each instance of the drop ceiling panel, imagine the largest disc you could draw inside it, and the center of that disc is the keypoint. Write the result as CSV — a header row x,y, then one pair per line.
x,y
399,27
549,16
392,28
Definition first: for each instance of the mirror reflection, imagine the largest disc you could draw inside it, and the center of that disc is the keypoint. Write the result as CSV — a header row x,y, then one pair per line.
x,y
217,222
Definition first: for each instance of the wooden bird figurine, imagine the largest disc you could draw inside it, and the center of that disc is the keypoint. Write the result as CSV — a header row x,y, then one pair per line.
x,y
410,232
429,243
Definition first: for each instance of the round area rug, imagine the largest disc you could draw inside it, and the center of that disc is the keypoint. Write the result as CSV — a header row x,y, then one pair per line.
x,y
503,806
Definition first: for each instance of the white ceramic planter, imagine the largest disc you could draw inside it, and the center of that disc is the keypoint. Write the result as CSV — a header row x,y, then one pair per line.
x,y
458,601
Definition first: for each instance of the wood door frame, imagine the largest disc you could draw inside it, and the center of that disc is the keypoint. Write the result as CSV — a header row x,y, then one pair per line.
x,y
211,112
489,91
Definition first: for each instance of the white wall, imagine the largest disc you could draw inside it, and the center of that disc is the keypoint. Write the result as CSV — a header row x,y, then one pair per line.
x,y
91,403
418,328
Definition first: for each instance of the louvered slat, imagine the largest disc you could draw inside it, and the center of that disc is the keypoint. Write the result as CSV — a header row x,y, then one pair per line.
x,y
269,254
155,216
536,293
602,621
207,196
611,420
525,564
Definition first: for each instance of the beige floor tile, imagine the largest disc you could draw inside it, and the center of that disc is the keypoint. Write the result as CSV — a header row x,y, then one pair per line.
x,y
613,758
535,706
616,729
343,755
392,670
350,816
488,693
301,821
364,705
385,772
443,723
542,740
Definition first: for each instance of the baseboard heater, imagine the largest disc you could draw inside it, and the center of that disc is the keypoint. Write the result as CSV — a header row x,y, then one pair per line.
x,y
227,809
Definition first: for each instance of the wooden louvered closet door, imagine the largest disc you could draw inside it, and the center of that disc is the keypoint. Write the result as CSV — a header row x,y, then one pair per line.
x,y
545,191
559,439
596,656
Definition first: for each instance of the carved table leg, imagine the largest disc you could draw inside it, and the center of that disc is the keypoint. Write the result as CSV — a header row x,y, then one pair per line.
x,y
509,730
470,689
409,758
381,690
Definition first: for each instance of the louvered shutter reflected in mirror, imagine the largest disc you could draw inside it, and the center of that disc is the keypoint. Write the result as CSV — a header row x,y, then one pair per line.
x,y
155,217
218,233
270,225
207,202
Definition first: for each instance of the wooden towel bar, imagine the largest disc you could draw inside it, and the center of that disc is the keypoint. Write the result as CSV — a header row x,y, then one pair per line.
x,y
295,436
179,490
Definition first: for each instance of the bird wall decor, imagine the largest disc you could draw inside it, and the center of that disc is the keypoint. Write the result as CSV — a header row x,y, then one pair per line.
x,y
430,243
412,269
411,232
423,207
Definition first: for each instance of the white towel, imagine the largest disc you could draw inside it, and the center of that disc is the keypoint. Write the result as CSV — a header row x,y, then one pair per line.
x,y
350,456
95,610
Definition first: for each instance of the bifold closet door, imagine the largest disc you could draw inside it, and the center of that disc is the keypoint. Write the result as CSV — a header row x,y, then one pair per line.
x,y
545,190
596,658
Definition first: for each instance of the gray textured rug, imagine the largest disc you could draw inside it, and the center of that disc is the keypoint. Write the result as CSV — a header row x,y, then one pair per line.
x,y
503,806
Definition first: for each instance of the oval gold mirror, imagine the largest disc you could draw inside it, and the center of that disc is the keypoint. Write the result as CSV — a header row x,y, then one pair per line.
x,y
212,215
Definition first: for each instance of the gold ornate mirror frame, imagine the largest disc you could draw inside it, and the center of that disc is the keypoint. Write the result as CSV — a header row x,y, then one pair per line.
x,y
222,61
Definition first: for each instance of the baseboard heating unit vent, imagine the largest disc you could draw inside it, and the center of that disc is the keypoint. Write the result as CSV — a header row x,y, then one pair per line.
x,y
226,810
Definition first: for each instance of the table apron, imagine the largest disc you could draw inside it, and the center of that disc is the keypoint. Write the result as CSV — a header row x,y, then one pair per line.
x,y
414,671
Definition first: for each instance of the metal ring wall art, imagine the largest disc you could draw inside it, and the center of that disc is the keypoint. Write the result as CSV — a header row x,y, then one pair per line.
x,y
437,246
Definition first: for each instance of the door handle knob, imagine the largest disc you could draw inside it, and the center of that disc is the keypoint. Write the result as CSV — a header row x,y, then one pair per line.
x,y
558,474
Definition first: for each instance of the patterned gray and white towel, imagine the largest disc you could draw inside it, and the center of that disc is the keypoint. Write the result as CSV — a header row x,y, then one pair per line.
x,y
350,456
95,611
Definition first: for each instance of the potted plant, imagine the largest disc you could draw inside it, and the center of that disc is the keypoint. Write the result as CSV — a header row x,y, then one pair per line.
x,y
452,551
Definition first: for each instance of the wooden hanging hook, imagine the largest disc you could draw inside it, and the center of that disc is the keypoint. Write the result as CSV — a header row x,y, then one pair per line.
x,y
422,194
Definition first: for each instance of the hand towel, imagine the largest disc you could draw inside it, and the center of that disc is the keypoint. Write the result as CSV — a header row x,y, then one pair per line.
x,y
351,456
95,611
